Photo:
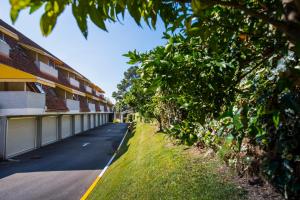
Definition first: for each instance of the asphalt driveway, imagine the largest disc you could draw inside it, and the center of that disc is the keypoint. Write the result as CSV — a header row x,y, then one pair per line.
x,y
63,170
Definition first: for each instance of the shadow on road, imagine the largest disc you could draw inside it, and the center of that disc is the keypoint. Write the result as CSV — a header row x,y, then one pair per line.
x,y
90,150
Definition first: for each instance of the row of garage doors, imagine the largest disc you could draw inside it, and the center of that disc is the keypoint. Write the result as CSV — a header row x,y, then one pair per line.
x,y
25,134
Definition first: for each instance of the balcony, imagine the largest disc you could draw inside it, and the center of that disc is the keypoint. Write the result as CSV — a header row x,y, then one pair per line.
x,y
101,108
73,105
98,94
88,89
46,69
21,103
74,82
4,48
92,107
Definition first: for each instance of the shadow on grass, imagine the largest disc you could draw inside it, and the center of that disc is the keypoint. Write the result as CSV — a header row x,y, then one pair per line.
x,y
125,146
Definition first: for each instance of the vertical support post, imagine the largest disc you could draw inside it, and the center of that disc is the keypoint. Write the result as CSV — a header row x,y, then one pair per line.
x,y
3,132
39,131
59,127
99,122
82,122
89,121
73,125
121,117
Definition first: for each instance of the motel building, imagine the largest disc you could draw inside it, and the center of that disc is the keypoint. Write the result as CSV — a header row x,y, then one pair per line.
x,y
42,99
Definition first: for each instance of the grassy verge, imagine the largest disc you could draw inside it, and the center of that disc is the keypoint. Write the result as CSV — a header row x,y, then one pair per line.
x,y
149,167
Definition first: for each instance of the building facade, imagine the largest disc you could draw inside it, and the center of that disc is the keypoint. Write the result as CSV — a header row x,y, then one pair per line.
x,y
42,99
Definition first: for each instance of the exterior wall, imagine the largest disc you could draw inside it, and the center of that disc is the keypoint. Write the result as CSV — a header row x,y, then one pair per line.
x,y
15,86
66,129
3,129
21,136
49,130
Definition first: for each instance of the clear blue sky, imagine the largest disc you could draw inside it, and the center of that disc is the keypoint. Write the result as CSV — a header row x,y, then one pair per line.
x,y
99,58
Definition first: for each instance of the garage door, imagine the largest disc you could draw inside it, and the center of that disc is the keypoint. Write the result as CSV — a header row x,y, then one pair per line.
x,y
102,119
21,136
77,124
97,120
66,126
92,121
49,130
85,122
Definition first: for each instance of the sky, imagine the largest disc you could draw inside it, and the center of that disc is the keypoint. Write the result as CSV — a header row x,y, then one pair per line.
x,y
99,58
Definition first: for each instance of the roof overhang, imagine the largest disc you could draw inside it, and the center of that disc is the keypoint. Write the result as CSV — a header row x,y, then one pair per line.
x,y
9,33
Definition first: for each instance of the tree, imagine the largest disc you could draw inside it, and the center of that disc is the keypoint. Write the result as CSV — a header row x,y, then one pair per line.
x,y
174,13
129,76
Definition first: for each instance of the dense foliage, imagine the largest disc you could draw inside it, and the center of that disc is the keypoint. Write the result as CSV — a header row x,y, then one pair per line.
x,y
245,106
234,91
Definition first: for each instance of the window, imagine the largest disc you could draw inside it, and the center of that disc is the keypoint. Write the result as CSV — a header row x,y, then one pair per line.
x,y
2,37
74,97
51,63
40,88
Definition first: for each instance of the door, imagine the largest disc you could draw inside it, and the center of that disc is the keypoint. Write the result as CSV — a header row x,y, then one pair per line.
x,y
49,130
77,124
66,126
21,136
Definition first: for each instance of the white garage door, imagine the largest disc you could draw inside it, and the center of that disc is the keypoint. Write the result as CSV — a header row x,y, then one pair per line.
x,y
49,130
21,136
97,120
77,124
66,126
92,121
104,118
85,122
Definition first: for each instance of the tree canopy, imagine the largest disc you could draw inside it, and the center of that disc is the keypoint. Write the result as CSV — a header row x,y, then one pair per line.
x,y
283,15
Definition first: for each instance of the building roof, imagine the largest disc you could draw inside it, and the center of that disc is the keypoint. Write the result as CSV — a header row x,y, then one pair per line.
x,y
18,59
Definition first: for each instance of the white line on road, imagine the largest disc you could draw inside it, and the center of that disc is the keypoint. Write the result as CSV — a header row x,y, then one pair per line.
x,y
85,144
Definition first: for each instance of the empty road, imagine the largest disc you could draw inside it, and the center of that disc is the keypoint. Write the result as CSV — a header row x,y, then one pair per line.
x,y
63,170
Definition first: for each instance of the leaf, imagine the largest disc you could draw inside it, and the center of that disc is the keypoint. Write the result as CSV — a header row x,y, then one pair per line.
x,y
276,120
34,7
97,18
81,18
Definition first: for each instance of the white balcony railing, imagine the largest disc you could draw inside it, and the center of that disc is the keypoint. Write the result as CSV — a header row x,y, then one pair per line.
x,y
98,94
88,89
45,68
4,48
22,103
74,82
92,107
73,105
101,108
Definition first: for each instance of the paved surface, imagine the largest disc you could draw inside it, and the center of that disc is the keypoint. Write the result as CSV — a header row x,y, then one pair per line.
x,y
63,170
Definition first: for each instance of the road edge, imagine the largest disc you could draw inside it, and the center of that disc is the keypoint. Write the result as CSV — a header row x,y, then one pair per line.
x,y
93,185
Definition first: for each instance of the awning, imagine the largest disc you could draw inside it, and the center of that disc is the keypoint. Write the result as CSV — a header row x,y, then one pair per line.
x,y
92,97
11,74
69,89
